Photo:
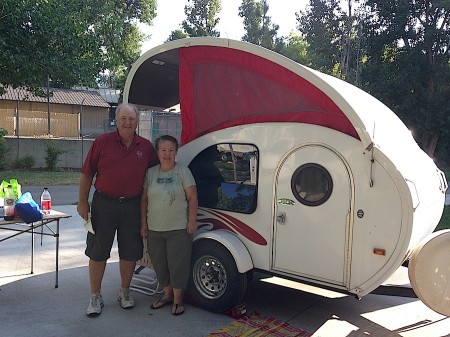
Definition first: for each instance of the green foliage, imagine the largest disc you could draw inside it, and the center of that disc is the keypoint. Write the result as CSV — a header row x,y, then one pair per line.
x,y
119,37
201,18
24,163
70,41
48,31
53,152
321,26
395,50
4,149
176,35
252,12
445,220
296,48
447,174
408,67
258,26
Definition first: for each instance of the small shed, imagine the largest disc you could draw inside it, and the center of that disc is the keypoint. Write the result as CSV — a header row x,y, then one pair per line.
x,y
67,113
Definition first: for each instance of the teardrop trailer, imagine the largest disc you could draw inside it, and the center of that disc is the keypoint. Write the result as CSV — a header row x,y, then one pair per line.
x,y
299,175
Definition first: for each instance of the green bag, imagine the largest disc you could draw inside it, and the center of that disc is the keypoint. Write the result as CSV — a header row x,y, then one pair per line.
x,y
16,187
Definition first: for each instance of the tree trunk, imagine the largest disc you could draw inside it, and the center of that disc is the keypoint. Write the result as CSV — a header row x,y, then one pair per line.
x,y
429,142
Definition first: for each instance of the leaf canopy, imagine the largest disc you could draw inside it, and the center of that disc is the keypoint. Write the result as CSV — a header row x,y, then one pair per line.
x,y
69,41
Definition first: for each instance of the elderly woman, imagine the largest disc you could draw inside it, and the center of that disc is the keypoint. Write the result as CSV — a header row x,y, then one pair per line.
x,y
168,219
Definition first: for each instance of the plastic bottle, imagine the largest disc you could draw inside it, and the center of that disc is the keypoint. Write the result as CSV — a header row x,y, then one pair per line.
x,y
46,201
2,203
9,203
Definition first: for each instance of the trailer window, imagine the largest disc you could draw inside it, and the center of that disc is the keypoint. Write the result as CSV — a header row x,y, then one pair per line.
x,y
226,177
311,184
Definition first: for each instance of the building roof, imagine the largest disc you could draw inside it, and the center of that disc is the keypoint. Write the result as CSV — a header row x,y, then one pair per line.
x,y
60,96
110,95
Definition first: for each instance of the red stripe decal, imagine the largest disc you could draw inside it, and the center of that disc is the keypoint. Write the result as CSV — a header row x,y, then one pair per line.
x,y
226,221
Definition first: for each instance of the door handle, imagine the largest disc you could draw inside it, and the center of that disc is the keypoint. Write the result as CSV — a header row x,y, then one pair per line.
x,y
281,217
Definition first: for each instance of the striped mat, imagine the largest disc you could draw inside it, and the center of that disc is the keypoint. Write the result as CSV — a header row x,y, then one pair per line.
x,y
259,326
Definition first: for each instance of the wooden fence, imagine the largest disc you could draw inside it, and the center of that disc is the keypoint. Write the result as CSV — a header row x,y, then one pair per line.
x,y
30,119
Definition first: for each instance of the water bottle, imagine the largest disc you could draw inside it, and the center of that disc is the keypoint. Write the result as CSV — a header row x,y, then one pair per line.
x,y
9,203
2,203
46,201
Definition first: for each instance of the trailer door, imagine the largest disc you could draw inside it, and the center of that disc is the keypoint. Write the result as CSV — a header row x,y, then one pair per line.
x,y
312,207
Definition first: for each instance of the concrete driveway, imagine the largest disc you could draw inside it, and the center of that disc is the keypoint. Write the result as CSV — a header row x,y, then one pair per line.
x,y
32,306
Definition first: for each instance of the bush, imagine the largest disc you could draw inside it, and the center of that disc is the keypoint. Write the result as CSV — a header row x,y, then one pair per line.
x,y
53,152
26,162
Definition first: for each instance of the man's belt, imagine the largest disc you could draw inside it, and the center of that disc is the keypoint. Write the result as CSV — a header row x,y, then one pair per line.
x,y
116,199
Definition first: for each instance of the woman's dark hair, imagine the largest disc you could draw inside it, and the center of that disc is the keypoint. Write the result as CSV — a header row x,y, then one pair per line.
x,y
166,138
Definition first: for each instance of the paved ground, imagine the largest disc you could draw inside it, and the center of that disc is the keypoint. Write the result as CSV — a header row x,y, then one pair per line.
x,y
31,306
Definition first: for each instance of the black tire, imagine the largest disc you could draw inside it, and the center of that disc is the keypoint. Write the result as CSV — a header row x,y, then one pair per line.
x,y
215,283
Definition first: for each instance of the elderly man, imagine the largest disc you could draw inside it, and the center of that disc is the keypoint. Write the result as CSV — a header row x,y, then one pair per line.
x,y
118,160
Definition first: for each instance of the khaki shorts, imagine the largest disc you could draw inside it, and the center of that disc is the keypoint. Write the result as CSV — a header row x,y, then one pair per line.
x,y
108,217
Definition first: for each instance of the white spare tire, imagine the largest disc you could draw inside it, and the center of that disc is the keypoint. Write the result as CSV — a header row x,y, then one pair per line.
x,y
429,271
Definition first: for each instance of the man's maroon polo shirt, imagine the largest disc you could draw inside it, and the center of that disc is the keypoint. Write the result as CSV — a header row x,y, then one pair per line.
x,y
119,171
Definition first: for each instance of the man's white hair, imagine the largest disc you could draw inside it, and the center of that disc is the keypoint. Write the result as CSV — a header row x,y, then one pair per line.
x,y
127,106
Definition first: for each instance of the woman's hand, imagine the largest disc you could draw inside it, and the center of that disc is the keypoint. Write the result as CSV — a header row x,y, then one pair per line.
x,y
191,197
143,210
191,227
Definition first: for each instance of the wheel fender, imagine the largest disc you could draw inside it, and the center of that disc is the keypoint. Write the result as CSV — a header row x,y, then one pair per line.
x,y
235,246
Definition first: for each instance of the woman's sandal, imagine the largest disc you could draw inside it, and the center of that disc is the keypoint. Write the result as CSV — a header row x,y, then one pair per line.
x,y
160,303
175,307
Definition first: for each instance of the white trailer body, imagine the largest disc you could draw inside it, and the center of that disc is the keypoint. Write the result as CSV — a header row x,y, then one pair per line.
x,y
319,181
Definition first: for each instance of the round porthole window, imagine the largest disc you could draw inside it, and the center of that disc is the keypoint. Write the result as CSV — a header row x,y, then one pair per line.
x,y
311,184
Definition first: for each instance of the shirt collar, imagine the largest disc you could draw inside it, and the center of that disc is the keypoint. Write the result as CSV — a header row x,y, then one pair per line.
x,y
135,138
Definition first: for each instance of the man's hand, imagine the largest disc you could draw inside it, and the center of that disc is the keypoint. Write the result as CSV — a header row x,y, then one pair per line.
x,y
83,209
144,230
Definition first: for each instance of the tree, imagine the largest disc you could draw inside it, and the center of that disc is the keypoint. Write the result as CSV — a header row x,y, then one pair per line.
x,y
321,26
408,67
119,36
335,36
176,35
296,48
69,41
351,42
201,18
258,26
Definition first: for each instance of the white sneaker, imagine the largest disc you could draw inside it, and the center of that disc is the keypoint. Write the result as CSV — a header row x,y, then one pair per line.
x,y
125,298
95,305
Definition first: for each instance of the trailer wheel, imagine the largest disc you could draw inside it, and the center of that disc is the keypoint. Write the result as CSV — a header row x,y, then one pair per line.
x,y
215,284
